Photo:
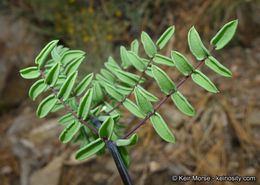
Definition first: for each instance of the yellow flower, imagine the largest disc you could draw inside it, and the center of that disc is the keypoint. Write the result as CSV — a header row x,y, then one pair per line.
x,y
83,11
90,10
72,1
71,30
118,13
58,29
95,27
109,37
86,38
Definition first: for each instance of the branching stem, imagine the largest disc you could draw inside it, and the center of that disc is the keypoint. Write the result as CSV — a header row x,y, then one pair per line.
x,y
164,99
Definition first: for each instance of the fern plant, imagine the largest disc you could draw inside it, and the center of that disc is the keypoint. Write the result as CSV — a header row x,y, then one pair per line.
x,y
93,104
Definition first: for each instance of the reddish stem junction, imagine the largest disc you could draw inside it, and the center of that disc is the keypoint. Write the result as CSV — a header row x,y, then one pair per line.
x,y
164,99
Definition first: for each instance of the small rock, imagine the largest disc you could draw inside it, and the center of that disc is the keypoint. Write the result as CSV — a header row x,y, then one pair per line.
x,y
154,166
255,117
6,170
49,174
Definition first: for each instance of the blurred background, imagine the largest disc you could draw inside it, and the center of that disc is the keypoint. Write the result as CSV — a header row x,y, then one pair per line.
x,y
221,139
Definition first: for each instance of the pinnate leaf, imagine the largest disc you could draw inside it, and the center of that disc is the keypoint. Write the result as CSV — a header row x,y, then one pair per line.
x,y
43,55
46,105
136,61
224,35
133,108
148,95
85,104
66,88
183,105
53,75
203,81
135,46
30,72
37,88
181,62
161,128
196,46
97,93
144,104
165,37
113,92
160,59
107,128
69,131
74,65
124,58
67,118
70,55
149,47
128,142
163,80
90,149
84,84
213,64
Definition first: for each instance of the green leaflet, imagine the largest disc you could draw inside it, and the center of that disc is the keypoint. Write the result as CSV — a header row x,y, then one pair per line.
x,y
52,75
46,105
55,54
148,95
74,65
165,37
127,77
30,72
135,46
124,58
108,75
196,46
161,128
106,128
128,142
149,47
112,91
144,104
163,80
85,104
124,155
224,35
183,105
102,80
70,55
213,64
90,149
60,82
149,72
83,85
133,108
97,94
181,62
123,90
113,62
41,58
111,67
69,132
109,107
71,102
136,61
67,118
202,80
57,106
37,88
160,59
66,88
